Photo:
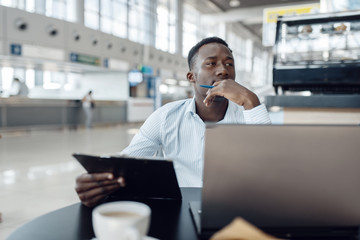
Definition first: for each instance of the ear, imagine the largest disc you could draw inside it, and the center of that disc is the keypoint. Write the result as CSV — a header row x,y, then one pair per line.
x,y
191,77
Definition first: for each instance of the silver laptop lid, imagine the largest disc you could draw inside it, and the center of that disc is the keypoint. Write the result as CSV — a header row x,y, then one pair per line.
x,y
281,176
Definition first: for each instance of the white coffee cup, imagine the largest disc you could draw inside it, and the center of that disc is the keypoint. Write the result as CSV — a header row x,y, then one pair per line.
x,y
121,220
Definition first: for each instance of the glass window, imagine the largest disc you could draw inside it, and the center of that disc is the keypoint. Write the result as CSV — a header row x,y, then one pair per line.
x,y
72,81
39,78
120,10
113,17
40,6
61,9
106,8
251,61
7,75
56,8
237,45
30,6
162,28
172,38
106,25
30,78
91,14
106,16
91,20
120,16
91,5
190,28
35,78
212,29
22,4
120,29
8,3
53,80
166,25
140,20
189,37
249,55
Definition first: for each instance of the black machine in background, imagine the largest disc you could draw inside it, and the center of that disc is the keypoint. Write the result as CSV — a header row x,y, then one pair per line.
x,y
318,53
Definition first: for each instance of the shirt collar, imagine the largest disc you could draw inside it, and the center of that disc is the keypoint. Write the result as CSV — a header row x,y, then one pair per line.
x,y
191,106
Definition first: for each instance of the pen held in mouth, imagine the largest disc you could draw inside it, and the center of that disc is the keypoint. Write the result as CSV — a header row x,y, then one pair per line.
x,y
206,86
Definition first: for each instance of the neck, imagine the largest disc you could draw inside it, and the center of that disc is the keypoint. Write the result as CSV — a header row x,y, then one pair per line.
x,y
213,113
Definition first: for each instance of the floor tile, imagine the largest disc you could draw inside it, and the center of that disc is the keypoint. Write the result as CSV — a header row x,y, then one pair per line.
x,y
37,171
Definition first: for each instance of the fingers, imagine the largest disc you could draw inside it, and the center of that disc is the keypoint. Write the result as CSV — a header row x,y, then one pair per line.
x,y
232,91
87,177
208,100
87,186
212,94
219,90
91,188
121,181
93,196
92,202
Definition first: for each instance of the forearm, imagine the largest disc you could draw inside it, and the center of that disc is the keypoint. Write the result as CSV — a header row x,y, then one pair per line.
x,y
257,115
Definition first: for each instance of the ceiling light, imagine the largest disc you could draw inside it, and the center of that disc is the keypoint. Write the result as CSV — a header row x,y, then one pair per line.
x,y
234,3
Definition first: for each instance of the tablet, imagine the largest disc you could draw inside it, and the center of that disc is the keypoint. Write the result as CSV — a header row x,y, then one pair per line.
x,y
145,178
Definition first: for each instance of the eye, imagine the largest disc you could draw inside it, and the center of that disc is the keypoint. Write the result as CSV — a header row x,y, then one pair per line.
x,y
211,63
229,64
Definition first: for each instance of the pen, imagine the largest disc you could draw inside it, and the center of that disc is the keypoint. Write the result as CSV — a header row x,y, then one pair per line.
x,y
206,86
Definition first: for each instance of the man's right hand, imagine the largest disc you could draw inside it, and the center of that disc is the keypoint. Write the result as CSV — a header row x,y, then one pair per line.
x,y
91,188
234,92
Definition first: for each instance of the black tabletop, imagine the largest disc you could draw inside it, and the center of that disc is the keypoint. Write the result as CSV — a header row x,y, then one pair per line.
x,y
170,219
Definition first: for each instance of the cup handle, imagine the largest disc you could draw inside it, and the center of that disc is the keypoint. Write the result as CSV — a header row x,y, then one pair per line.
x,y
132,234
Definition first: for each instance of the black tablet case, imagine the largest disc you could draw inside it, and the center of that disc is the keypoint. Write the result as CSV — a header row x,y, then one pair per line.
x,y
145,178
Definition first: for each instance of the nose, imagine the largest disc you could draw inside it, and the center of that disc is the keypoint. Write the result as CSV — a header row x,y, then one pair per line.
x,y
221,70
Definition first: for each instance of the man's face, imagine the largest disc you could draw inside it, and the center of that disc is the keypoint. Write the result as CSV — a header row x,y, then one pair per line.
x,y
214,62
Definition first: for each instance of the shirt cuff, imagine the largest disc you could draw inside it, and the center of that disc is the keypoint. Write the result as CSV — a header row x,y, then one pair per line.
x,y
257,115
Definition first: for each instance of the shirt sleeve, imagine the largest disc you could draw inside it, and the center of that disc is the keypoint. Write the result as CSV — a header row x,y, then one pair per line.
x,y
257,115
148,140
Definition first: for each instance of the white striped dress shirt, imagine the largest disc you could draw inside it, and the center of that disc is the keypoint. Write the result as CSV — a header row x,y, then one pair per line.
x,y
179,132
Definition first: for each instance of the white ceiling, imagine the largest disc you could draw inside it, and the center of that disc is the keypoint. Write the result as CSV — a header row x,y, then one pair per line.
x,y
249,13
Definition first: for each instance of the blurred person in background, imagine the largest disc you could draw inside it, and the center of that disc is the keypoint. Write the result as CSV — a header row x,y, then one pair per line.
x,y
19,88
88,105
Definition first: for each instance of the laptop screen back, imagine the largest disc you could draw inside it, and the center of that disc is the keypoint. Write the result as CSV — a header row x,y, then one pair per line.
x,y
281,176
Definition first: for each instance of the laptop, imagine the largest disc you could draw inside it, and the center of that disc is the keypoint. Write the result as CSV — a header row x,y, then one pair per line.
x,y
292,181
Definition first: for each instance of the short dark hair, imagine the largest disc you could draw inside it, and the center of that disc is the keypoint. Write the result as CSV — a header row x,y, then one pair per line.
x,y
195,49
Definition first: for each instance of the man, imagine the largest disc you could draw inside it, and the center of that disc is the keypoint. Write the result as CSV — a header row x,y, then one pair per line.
x,y
178,128
88,104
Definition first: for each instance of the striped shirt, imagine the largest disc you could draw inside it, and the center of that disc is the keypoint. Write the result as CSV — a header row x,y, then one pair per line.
x,y
179,132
